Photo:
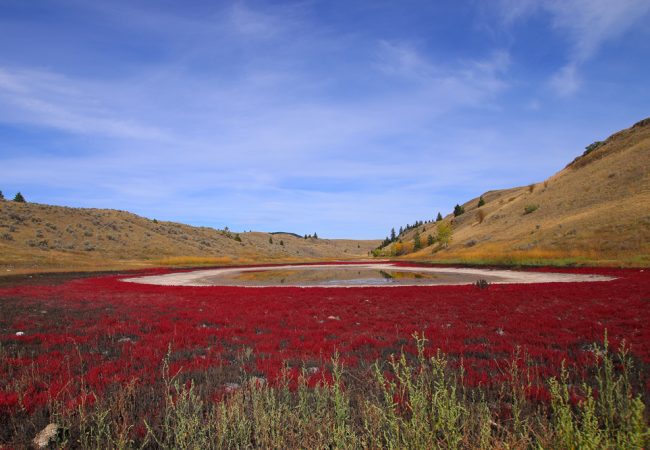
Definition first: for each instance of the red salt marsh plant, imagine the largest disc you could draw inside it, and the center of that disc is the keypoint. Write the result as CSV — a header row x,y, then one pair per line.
x,y
86,342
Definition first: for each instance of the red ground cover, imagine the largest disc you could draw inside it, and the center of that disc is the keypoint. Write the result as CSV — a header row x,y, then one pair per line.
x,y
101,332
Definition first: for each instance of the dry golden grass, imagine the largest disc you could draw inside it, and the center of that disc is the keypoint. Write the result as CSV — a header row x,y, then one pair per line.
x,y
36,238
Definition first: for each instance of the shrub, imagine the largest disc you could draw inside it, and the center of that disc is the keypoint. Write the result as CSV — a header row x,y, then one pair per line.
x,y
19,198
481,201
530,208
591,147
481,215
458,210
237,237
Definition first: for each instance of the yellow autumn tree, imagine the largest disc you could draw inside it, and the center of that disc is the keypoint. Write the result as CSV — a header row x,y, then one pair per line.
x,y
444,234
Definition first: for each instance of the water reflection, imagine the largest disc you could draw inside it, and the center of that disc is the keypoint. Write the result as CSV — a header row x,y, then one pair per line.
x,y
334,276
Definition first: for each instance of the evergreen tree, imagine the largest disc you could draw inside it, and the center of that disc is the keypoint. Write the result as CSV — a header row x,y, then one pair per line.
x,y
481,202
392,235
439,217
315,236
401,230
417,244
19,198
429,240
2,197
458,210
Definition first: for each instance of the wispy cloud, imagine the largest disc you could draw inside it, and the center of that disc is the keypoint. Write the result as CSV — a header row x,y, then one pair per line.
x,y
53,100
587,25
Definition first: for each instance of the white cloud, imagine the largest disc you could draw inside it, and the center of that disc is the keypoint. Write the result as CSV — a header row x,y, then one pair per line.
x,y
448,85
586,24
52,100
566,81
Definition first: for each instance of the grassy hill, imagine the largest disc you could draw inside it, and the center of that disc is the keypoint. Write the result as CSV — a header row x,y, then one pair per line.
x,y
37,237
597,210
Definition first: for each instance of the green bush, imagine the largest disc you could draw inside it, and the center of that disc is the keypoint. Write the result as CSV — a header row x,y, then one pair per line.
x,y
530,208
591,147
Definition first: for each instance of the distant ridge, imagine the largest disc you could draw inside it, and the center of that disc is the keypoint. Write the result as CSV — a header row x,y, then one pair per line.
x,y
37,237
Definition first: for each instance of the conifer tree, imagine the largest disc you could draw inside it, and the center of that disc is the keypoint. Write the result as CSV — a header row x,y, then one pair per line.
x,y
19,198
417,244
392,235
458,210
481,202
2,197
429,240
439,217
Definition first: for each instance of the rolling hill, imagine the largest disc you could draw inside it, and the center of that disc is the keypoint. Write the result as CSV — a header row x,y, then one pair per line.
x,y
36,237
597,209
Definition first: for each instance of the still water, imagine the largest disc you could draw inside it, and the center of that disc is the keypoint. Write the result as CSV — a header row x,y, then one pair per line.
x,y
336,276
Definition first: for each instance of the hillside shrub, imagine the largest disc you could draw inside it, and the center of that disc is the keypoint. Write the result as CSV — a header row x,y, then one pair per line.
x,y
458,210
481,201
530,208
591,147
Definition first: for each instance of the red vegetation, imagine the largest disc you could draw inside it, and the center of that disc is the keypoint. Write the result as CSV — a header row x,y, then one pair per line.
x,y
88,335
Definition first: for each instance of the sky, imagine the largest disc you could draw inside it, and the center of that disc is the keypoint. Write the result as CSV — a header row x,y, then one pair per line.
x,y
344,118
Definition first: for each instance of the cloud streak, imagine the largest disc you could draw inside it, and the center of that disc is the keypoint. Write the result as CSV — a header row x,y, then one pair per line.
x,y
587,25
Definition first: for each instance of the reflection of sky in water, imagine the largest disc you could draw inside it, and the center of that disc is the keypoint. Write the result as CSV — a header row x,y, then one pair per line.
x,y
352,276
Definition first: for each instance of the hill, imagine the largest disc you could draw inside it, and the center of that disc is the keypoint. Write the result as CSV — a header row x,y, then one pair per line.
x,y
36,237
597,209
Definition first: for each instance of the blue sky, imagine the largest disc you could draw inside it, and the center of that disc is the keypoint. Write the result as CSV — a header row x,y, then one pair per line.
x,y
344,118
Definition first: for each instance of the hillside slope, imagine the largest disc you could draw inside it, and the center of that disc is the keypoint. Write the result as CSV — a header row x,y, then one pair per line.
x,y
35,236
595,209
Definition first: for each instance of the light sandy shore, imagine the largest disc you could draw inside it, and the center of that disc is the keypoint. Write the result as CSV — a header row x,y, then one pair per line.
x,y
210,277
